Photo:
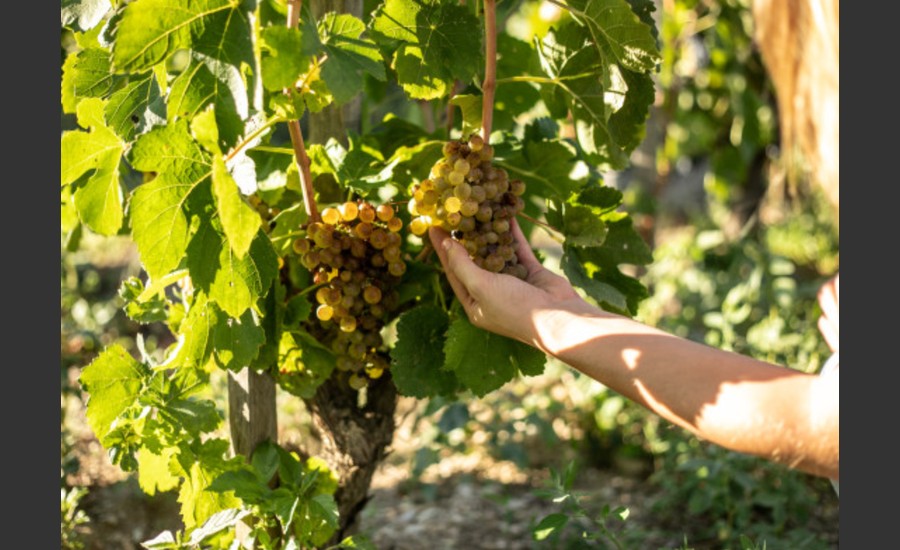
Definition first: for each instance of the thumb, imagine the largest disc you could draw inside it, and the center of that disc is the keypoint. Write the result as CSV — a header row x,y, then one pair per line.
x,y
461,271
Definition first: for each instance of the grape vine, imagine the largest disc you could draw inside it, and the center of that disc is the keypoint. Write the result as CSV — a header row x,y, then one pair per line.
x,y
177,109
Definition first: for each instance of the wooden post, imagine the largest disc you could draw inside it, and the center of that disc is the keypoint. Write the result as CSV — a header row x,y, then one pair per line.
x,y
252,413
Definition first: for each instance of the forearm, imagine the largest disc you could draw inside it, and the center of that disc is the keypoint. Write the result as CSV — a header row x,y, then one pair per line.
x,y
727,398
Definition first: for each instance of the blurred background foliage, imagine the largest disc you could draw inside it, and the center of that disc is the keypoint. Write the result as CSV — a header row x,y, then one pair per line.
x,y
741,245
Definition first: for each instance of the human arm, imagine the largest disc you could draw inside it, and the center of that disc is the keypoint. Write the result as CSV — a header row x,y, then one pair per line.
x,y
828,301
727,398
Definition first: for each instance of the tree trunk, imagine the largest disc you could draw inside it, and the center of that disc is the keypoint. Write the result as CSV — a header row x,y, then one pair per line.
x,y
353,440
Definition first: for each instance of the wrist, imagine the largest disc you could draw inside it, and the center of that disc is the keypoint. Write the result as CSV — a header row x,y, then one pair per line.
x,y
565,325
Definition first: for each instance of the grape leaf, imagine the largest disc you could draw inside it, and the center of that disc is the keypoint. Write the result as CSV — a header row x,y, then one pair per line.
x,y
304,364
289,52
196,330
628,123
544,166
239,221
417,358
159,223
153,470
172,150
114,380
483,361
596,269
149,31
237,341
582,227
150,310
470,106
239,282
100,201
226,35
200,466
207,81
577,75
86,73
514,58
355,168
135,108
434,43
616,29
349,57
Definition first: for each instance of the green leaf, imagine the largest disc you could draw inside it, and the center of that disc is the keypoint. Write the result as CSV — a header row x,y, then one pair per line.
x,y
150,310
199,469
582,226
172,150
514,58
596,269
151,30
349,57
135,108
207,81
245,484
483,361
628,124
159,223
237,341
619,32
81,15
265,460
114,380
240,282
551,524
239,220
100,200
217,523
226,35
470,106
417,357
197,331
319,518
153,471
434,44
578,74
546,167
194,416
304,364
289,52
86,73
355,168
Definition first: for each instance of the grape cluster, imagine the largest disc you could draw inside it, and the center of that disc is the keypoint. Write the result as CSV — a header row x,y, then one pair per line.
x,y
356,263
474,201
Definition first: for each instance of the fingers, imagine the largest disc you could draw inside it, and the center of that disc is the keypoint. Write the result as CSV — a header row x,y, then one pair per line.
x,y
443,245
523,249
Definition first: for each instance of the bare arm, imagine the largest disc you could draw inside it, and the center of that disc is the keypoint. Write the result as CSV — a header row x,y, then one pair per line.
x,y
727,398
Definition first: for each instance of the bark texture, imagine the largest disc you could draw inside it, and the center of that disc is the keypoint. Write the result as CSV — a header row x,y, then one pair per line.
x,y
353,439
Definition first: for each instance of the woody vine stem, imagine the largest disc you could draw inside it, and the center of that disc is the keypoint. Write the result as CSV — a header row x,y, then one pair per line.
x,y
309,200
489,85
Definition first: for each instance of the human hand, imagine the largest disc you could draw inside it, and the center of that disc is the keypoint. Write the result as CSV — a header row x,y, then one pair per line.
x,y
828,322
499,302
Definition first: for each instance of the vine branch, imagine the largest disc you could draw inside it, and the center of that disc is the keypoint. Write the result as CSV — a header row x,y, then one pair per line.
x,y
490,68
309,200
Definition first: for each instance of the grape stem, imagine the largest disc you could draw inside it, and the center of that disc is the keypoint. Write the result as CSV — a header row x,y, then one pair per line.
x,y
309,200
543,224
490,68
